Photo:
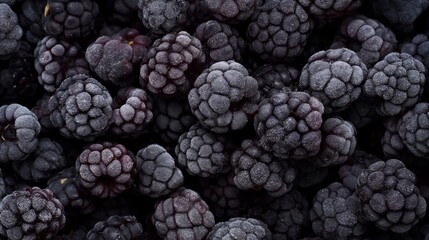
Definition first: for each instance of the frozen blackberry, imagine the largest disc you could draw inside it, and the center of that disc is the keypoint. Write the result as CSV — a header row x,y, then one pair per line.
x,y
81,108
397,81
362,112
132,112
172,64
106,169
418,47
2,186
389,197
289,124
279,31
335,214
232,11
202,152
183,215
30,19
19,131
308,173
369,38
10,31
107,207
224,97
157,172
32,213
41,110
256,168
125,10
56,60
275,78
114,59
43,163
240,228
116,227
331,9
69,19
391,142
334,77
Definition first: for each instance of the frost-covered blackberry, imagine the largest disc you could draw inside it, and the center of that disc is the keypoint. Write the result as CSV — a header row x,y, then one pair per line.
x,y
308,173
418,47
392,142
362,112
240,228
30,20
10,31
233,11
331,9
116,227
275,78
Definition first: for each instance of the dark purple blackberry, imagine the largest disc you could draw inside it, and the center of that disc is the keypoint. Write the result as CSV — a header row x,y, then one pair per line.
x,y
56,60
397,82
107,207
389,197
116,58
10,31
19,131
224,97
418,47
240,228
32,213
69,19
331,9
308,173
106,169
132,112
289,124
30,19
275,78
279,31
335,214
41,110
334,77
43,163
116,227
391,142
125,10
73,230
183,215
202,152
233,11
157,172
369,38
255,168
81,108
362,112
172,64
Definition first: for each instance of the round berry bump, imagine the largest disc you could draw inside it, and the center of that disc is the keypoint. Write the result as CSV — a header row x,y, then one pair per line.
x,y
157,172
81,108
183,215
397,81
240,228
275,78
418,47
106,169
392,143
288,124
224,97
19,131
30,20
32,213
10,31
116,227
331,9
233,11
389,197
334,77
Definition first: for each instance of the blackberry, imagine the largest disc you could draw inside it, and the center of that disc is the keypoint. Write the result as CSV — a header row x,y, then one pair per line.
x,y
10,31
224,97
81,108
418,47
32,213
2,186
202,152
106,169
332,9
288,124
56,60
362,112
30,19
157,172
172,63
116,227
19,131
240,228
114,59
275,78
256,168
107,207
389,197
132,112
391,142
233,11
369,38
125,10
41,110
334,77
397,81
183,215
280,30
70,19
308,173
335,213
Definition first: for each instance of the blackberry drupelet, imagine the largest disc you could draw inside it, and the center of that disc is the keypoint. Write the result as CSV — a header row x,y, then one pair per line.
x,y
418,47
240,228
32,213
389,197
106,169
224,97
19,131
233,11
308,173
70,19
397,81
116,227
183,215
56,60
30,19
334,77
279,31
157,172
331,9
81,108
275,78
202,152
10,31
289,124
172,64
